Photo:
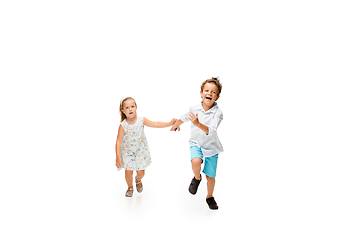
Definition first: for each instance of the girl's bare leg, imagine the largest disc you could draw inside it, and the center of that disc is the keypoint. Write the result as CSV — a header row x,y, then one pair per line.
x,y
139,176
129,179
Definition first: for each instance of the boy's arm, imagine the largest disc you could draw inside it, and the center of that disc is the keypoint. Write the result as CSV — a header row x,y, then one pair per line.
x,y
194,119
212,128
176,126
149,123
214,124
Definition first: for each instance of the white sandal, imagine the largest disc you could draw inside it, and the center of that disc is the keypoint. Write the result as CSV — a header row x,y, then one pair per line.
x,y
139,189
128,194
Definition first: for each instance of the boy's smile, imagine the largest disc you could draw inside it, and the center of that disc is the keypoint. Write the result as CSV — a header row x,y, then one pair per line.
x,y
209,95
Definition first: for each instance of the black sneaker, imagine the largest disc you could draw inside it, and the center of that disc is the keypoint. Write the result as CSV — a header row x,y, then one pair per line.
x,y
212,204
194,186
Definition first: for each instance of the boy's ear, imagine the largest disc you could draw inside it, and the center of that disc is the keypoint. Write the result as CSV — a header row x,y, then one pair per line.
x,y
217,97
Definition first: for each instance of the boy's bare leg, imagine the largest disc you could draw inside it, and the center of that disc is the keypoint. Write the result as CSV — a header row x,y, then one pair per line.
x,y
210,186
209,198
196,167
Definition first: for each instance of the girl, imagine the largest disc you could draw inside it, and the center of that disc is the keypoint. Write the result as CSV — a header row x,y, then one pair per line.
x,y
132,150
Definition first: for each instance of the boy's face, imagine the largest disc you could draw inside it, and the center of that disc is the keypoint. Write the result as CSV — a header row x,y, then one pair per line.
x,y
129,108
209,94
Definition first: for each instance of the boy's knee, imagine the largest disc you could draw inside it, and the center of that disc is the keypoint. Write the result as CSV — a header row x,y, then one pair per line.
x,y
210,178
196,161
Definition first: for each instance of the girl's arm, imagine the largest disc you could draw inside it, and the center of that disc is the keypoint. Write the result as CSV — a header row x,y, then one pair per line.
x,y
118,146
149,123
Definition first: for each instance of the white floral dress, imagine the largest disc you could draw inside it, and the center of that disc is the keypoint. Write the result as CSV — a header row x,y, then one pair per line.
x,y
135,151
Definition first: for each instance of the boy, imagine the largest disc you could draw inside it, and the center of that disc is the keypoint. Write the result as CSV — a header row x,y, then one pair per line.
x,y
204,142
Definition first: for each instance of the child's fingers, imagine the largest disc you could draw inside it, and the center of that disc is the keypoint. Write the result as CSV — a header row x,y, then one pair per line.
x,y
173,121
191,116
175,129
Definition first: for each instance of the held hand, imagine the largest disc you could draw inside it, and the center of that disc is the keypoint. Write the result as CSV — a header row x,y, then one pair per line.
x,y
194,118
175,127
173,121
119,162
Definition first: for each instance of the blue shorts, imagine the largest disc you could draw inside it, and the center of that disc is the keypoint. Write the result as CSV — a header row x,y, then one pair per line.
x,y
210,162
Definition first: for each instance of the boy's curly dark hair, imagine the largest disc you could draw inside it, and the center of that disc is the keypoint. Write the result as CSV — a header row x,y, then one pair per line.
x,y
214,81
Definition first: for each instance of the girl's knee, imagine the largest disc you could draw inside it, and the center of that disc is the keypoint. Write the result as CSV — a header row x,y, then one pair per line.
x,y
140,173
128,172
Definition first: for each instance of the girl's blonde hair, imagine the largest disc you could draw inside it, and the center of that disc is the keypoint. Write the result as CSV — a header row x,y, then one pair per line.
x,y
123,116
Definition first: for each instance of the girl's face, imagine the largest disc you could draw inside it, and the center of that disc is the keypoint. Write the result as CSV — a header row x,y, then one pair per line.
x,y
129,108
209,94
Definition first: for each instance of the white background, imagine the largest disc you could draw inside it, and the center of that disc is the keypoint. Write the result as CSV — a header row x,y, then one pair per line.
x,y
290,74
